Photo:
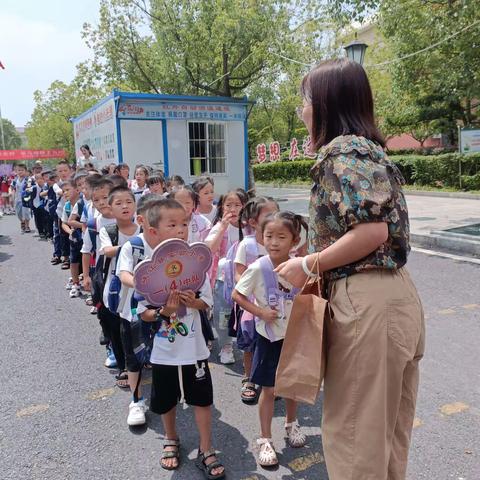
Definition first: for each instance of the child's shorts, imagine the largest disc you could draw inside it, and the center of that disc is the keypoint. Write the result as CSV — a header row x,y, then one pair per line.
x,y
166,386
265,361
245,339
131,361
75,254
23,213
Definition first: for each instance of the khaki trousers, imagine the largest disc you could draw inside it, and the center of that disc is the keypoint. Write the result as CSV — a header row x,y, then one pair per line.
x,y
375,338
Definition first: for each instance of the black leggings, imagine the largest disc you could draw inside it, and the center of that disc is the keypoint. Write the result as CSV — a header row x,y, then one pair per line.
x,y
110,323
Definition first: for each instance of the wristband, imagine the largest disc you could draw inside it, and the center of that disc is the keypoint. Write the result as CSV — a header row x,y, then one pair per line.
x,y
159,316
306,270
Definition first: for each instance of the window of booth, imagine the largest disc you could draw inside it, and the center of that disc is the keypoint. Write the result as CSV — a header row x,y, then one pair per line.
x,y
207,148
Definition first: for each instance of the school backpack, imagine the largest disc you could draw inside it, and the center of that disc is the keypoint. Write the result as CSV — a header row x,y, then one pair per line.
x,y
52,201
200,225
115,304
27,192
229,265
275,296
101,268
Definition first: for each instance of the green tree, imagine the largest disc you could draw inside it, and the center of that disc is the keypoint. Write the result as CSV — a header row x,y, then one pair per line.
x,y
50,125
10,135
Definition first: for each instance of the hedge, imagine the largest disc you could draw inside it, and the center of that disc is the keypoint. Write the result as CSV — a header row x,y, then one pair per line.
x,y
432,170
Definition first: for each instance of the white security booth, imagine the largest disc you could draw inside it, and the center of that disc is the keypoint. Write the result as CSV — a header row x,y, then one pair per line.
x,y
181,135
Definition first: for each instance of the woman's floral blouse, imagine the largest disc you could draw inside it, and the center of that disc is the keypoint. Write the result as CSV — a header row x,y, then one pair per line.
x,y
354,183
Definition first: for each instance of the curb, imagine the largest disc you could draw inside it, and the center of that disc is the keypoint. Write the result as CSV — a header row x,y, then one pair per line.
x,y
451,242
419,193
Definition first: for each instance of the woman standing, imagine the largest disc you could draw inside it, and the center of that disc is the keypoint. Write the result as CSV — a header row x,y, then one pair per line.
x,y
359,235
87,157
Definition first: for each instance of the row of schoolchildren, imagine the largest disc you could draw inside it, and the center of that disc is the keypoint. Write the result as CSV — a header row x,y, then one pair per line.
x,y
113,226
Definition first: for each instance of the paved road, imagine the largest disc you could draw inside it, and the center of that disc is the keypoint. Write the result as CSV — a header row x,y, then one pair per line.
x,y
61,418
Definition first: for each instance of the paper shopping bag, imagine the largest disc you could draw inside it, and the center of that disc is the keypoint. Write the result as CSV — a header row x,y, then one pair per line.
x,y
301,366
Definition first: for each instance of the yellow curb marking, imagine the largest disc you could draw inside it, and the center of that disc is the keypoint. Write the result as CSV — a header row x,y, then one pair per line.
x,y
417,422
446,311
147,381
101,394
253,477
452,408
32,410
303,463
471,306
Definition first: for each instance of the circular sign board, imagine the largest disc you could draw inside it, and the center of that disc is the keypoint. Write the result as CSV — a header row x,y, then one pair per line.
x,y
174,265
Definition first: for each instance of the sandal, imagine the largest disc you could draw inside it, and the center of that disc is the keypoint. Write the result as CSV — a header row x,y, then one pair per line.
x,y
65,266
249,393
89,301
207,468
267,457
295,437
55,261
167,454
122,380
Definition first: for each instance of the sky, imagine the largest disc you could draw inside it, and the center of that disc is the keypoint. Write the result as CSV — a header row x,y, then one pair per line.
x,y
40,41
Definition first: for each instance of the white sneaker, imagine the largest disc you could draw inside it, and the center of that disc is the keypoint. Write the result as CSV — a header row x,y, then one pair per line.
x,y
75,291
93,310
226,355
136,413
69,284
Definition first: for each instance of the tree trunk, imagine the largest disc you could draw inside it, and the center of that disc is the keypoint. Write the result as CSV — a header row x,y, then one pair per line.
x,y
226,78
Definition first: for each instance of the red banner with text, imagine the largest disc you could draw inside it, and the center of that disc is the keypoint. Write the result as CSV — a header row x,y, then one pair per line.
x,y
31,154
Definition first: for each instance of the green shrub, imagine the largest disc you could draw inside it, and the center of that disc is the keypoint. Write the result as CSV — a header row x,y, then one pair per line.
x,y
426,170
471,182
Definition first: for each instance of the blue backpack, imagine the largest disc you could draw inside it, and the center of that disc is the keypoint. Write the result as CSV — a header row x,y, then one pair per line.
x,y
229,265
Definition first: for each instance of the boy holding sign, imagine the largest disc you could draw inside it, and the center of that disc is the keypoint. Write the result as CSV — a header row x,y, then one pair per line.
x,y
179,354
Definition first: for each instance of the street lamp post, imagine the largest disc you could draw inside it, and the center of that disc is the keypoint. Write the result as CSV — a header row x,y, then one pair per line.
x,y
356,50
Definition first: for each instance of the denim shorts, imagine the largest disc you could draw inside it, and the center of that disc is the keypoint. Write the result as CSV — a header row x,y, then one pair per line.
x,y
75,254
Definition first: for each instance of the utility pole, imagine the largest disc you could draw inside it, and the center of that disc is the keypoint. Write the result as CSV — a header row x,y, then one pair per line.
x,y
1,130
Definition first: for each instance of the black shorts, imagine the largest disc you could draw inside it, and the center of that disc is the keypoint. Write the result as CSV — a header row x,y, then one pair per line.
x,y
166,387
131,361
75,254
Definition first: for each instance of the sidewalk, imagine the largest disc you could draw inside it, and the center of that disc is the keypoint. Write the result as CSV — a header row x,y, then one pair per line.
x,y
430,216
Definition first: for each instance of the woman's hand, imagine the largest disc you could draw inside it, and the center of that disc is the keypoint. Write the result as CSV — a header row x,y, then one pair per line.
x,y
292,272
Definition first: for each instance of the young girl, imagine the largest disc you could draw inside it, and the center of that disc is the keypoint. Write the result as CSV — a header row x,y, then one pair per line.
x,y
204,188
198,225
222,236
248,250
281,232
156,184
140,183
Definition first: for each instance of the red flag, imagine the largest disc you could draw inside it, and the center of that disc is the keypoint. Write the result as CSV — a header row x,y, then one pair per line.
x,y
1,66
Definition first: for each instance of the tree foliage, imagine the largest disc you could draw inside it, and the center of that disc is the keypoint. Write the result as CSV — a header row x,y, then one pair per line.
x,y
50,125
10,135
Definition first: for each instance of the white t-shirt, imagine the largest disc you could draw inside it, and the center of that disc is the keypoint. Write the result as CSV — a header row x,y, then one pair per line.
x,y
211,215
198,228
87,240
126,264
252,283
138,191
89,212
232,236
38,199
184,350
82,161
105,242
241,254
18,184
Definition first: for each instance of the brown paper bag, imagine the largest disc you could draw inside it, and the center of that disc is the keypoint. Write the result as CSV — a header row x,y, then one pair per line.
x,y
302,362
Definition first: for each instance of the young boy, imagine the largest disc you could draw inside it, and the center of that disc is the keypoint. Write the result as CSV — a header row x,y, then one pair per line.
x,y
112,237
91,253
71,195
64,172
179,367
39,211
136,414
18,186
51,208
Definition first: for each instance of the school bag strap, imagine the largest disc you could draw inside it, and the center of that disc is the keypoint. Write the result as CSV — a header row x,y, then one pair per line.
x,y
112,231
92,231
251,248
272,291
